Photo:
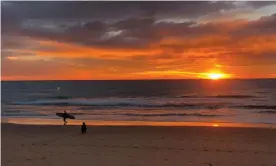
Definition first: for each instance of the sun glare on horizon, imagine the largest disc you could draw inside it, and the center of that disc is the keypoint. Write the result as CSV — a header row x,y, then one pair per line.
x,y
215,125
215,76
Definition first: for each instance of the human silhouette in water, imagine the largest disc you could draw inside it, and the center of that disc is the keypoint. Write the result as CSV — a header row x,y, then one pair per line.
x,y
83,128
64,117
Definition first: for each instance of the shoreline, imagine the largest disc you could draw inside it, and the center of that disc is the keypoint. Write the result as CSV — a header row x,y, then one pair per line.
x,y
59,122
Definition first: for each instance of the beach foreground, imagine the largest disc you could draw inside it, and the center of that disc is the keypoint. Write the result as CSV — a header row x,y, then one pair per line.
x,y
137,146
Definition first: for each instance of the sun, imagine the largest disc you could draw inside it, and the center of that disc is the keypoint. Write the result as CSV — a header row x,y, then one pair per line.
x,y
215,125
215,76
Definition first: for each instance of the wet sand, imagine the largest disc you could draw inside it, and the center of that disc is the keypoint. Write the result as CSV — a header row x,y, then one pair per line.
x,y
137,146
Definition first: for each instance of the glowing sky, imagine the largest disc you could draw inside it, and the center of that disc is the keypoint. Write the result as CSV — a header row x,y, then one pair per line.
x,y
137,40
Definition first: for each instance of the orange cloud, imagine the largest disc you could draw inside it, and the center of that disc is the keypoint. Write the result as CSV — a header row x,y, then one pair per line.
x,y
68,50
12,57
248,56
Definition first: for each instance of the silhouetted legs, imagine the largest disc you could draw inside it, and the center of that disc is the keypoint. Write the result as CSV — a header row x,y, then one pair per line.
x,y
65,122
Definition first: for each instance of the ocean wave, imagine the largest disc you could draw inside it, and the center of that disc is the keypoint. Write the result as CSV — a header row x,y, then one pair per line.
x,y
267,112
4,101
47,96
220,96
273,107
60,97
170,114
154,103
122,103
22,113
234,96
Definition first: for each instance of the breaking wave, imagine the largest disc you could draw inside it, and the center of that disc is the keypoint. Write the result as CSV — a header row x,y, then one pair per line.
x,y
273,107
170,114
220,96
123,102
157,103
267,112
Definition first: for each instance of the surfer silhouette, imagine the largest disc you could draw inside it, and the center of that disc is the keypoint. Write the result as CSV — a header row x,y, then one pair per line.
x,y
64,117
83,128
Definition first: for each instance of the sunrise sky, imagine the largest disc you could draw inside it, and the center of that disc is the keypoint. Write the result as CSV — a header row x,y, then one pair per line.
x,y
137,40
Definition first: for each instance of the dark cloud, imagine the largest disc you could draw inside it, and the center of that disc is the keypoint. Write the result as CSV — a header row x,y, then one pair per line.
x,y
17,12
94,29
263,26
132,33
108,10
140,32
259,4
134,22
94,14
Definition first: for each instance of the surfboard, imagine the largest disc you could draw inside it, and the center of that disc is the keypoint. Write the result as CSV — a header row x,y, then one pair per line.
x,y
67,115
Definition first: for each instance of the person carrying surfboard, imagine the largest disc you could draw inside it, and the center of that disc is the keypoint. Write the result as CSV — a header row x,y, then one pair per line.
x,y
64,117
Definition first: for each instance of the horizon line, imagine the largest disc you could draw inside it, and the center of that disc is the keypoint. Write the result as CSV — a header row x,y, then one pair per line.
x,y
143,79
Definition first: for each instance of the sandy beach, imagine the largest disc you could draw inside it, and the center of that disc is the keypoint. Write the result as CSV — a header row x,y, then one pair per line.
x,y
137,146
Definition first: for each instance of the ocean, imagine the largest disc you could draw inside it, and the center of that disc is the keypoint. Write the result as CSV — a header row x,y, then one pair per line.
x,y
224,101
